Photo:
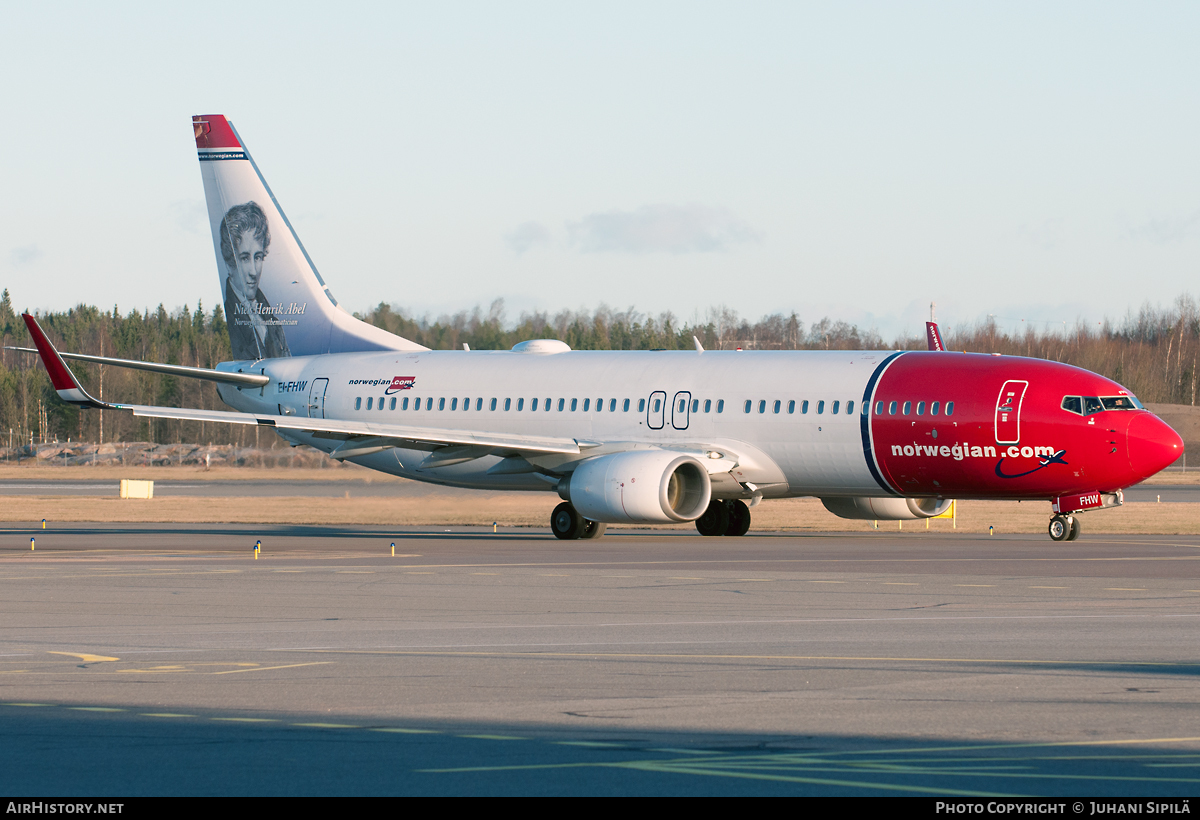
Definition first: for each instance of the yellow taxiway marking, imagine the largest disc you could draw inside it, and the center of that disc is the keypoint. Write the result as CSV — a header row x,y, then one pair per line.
x,y
245,720
27,704
94,709
327,725
164,714
682,656
268,668
86,658
13,671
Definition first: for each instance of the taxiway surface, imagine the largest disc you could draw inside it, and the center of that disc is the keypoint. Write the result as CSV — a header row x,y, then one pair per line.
x,y
167,659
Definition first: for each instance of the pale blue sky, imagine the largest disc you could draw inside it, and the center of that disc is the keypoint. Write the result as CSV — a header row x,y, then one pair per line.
x,y
851,159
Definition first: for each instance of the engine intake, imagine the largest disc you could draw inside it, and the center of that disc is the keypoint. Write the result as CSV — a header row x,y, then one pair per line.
x,y
640,487
887,509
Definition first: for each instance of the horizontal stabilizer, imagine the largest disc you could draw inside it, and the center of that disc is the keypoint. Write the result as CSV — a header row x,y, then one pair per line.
x,y
243,379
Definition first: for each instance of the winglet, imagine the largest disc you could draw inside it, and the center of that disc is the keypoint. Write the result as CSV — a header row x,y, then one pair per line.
x,y
933,336
64,381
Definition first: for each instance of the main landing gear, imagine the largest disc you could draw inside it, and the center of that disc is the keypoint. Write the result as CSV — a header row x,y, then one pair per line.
x,y
1064,528
569,525
724,518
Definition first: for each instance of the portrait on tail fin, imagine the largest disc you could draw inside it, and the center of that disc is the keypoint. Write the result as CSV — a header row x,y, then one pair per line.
x,y
254,330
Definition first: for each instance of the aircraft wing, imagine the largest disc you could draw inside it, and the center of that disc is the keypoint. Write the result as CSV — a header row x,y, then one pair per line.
x,y
359,434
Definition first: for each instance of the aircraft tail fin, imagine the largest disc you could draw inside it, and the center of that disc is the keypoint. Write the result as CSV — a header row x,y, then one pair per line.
x,y
276,303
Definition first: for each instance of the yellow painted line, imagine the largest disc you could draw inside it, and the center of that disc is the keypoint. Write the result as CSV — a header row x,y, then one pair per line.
x,y
14,671
94,709
267,668
86,658
405,731
682,656
327,725
164,714
492,737
245,720
27,704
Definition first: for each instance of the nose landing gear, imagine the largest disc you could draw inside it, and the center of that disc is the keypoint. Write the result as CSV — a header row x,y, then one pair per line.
x,y
1064,528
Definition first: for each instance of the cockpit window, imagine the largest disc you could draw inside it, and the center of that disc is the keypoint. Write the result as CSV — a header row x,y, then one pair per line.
x,y
1091,404
1073,404
1120,403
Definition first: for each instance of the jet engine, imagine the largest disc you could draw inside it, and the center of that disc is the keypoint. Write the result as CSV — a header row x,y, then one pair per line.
x,y
886,509
639,487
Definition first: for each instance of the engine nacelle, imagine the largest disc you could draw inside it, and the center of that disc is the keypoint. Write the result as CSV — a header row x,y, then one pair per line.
x,y
887,509
640,487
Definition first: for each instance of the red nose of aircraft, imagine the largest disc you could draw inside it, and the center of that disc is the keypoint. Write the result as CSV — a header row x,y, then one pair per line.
x,y
1153,445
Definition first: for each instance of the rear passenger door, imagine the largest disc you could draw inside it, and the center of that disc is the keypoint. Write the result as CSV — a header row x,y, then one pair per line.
x,y
681,410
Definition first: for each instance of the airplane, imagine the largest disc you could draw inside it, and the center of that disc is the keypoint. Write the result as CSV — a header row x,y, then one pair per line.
x,y
640,437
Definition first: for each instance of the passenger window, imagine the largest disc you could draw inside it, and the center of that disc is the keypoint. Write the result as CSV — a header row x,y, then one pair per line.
x,y
849,408
429,403
933,408
586,404
625,406
466,404
453,404
533,404
599,405
720,405
392,404
804,407
907,407
562,403
949,408
381,402
748,403
479,404
707,405
358,403
791,406
1091,404
879,408
1073,404
820,407
370,400
520,405
695,405
892,409
641,405
492,405
834,409
441,404
404,404
507,405
547,405
920,408
762,406
612,406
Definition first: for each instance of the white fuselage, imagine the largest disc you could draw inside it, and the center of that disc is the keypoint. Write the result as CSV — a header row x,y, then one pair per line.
x,y
790,443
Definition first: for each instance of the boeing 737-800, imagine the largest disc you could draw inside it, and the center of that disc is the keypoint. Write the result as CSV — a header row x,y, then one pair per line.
x,y
641,437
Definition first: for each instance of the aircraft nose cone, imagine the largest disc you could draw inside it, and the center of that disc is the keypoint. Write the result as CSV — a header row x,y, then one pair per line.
x,y
1153,445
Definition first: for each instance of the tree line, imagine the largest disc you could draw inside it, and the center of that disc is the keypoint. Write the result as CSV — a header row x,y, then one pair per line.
x,y
1153,351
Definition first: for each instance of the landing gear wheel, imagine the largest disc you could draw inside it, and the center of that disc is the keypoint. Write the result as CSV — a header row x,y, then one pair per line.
x,y
739,518
1075,529
1060,528
593,529
565,523
714,520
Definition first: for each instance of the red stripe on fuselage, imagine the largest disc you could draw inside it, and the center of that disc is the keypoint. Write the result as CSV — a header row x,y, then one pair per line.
x,y
958,455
